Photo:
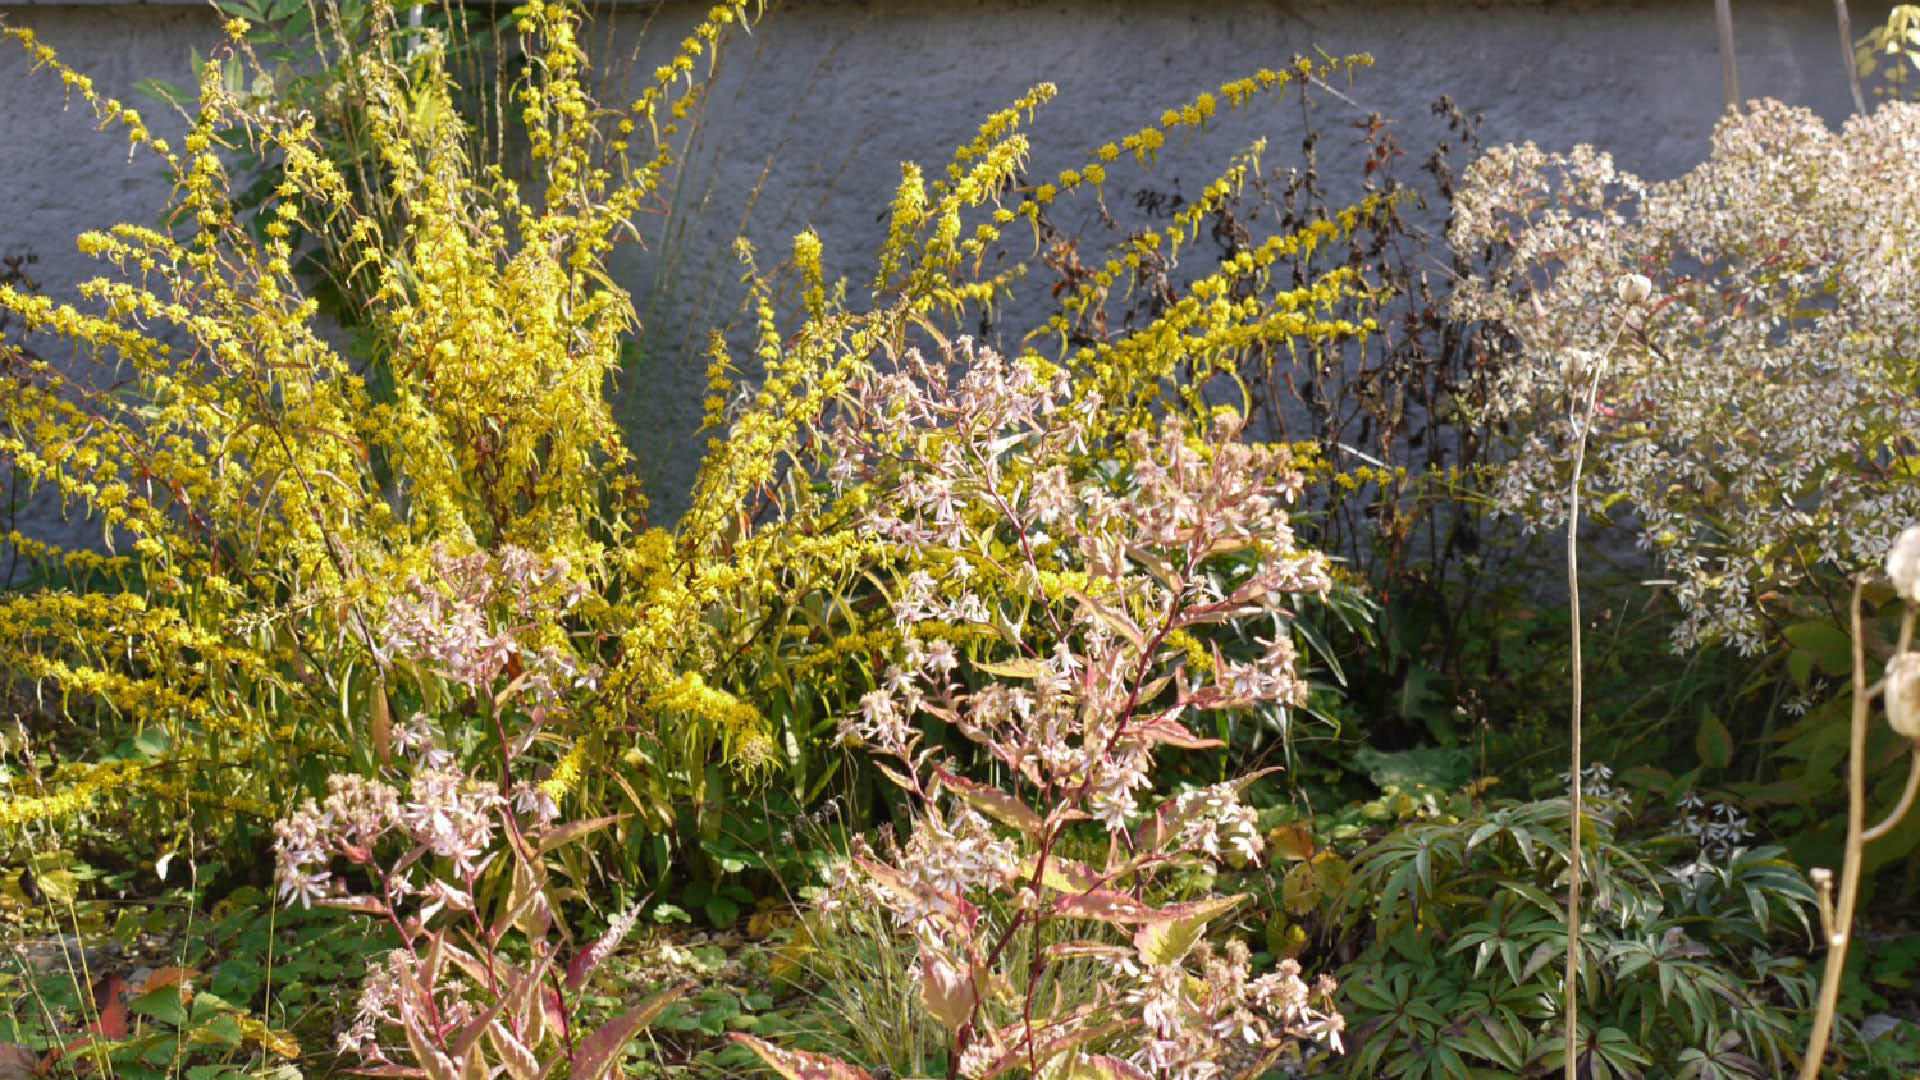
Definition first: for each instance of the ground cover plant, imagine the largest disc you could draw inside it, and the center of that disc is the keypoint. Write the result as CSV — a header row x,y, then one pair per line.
x,y
385,732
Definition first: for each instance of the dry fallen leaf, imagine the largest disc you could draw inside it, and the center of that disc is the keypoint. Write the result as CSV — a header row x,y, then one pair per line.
x,y
18,1063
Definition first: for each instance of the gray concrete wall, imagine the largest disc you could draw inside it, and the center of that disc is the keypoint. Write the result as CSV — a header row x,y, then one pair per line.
x,y
814,111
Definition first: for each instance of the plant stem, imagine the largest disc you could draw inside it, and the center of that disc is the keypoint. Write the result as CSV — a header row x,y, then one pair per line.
x,y
1571,1003
1840,929
1572,991
1846,55
1729,66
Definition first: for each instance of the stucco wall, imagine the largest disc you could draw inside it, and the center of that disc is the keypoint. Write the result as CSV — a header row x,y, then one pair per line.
x,y
816,108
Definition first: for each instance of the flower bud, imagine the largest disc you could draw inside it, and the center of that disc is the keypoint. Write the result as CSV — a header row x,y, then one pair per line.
x,y
1903,564
1633,288
1902,695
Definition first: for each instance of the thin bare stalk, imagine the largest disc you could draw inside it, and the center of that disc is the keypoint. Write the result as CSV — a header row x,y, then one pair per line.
x,y
1729,67
1839,924
1905,804
1846,55
1839,927
1571,1001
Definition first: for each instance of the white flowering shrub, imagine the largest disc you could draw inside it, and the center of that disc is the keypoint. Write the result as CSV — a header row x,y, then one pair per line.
x,y
454,857
1064,586
1757,413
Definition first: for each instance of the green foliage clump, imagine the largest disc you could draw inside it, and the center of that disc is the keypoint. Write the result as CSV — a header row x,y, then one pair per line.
x,y
1683,965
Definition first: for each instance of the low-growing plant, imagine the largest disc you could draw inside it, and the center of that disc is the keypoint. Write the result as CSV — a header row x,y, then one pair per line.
x,y
457,866
1682,966
85,990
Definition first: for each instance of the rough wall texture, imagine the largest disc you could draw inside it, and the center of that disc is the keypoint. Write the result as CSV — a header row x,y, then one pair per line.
x,y
813,112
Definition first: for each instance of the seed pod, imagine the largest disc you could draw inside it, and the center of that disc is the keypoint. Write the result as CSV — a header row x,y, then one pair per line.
x,y
1633,288
1902,695
1903,564
1577,366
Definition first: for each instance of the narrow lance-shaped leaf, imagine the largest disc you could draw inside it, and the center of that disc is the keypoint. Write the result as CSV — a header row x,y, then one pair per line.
x,y
799,1064
600,1051
994,803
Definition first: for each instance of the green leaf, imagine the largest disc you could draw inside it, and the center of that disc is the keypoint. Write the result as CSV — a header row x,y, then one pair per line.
x,y
721,911
1169,941
222,1030
1308,883
163,1004
1826,645
1713,741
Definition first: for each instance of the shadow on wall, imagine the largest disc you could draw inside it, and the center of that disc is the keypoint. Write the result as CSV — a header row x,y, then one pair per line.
x,y
811,115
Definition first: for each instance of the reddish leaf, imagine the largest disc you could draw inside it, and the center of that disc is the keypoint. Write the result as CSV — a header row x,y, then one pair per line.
x,y
600,1051
1171,732
514,1055
1065,875
1017,1056
168,976
1072,949
590,957
1109,906
109,1003
365,905
994,803
1104,905
799,1064
1105,1067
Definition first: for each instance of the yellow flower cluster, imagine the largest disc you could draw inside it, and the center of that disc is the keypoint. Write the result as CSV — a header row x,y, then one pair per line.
x,y
80,786
268,498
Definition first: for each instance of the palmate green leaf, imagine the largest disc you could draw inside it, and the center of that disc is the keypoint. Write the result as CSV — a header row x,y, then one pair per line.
x,y
1410,1065
1368,996
1536,896
1618,1049
1445,1061
164,1004
1479,1041
1543,954
1510,1037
